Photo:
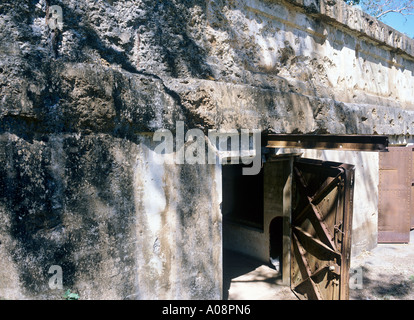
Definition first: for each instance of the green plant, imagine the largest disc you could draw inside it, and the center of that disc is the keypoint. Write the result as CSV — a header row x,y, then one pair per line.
x,y
70,296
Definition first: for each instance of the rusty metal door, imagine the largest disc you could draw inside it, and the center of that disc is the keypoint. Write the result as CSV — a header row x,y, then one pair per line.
x,y
394,204
412,189
321,229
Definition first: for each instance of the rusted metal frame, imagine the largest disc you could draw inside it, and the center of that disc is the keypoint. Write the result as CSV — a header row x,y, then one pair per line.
x,y
315,216
326,268
328,141
302,181
303,186
327,189
340,206
317,221
305,266
316,293
318,166
317,197
339,234
302,215
343,177
318,243
320,269
349,176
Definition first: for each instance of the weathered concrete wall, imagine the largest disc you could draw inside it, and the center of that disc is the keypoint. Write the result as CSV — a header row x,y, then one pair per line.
x,y
76,188
263,64
119,225
278,67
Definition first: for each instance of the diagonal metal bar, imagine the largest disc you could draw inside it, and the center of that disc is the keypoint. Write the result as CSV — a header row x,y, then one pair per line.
x,y
313,227
315,216
317,272
321,228
327,189
304,265
307,238
318,196
298,219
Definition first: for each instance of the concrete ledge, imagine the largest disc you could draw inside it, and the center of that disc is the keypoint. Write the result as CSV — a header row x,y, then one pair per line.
x,y
359,23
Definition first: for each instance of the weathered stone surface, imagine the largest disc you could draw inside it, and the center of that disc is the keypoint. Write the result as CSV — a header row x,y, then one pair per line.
x,y
117,64
226,106
118,225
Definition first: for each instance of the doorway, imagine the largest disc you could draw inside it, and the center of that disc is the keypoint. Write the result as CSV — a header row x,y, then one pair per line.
x,y
253,234
316,197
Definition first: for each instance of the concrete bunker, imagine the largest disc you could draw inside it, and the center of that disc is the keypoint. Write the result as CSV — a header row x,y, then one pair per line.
x,y
78,187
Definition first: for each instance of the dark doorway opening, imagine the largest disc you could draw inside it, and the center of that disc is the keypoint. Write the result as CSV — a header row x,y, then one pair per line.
x,y
276,243
242,196
243,222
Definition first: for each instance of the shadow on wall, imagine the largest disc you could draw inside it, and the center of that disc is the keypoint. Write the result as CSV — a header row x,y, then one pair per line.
x,y
276,243
95,35
158,28
62,209
83,203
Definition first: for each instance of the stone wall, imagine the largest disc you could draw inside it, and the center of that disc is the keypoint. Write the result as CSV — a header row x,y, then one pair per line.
x,y
78,187
270,65
119,226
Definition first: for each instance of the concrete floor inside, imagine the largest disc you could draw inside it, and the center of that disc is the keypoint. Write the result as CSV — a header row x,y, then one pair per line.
x,y
245,278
